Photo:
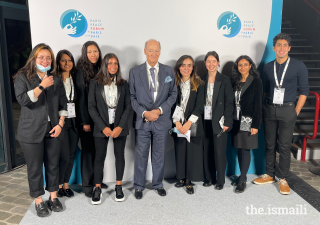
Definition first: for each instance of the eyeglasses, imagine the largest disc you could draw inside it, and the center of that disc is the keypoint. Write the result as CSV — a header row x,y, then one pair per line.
x,y
43,58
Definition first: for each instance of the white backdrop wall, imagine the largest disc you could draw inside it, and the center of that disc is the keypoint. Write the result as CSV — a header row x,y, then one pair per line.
x,y
182,27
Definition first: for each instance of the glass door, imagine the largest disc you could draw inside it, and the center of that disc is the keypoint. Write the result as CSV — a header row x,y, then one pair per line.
x,y
16,47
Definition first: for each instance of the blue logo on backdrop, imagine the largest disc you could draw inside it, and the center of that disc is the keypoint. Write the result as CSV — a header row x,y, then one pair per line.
x,y
229,24
73,23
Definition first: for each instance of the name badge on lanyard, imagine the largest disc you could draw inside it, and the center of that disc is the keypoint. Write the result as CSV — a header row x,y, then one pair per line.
x,y
177,113
71,110
112,115
207,112
278,94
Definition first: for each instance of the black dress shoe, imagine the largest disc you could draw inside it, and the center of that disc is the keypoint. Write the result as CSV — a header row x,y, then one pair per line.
x,y
219,186
236,181
138,194
104,186
61,193
42,209
88,194
179,184
190,189
207,184
55,205
68,192
161,191
241,187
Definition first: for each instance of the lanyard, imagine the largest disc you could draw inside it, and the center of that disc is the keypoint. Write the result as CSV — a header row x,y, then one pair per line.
x,y
71,96
237,96
283,74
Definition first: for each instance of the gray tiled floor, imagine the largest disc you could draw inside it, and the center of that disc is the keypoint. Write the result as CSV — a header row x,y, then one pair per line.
x,y
15,199
14,196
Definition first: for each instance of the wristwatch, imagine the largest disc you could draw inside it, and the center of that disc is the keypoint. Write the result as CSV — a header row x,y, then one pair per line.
x,y
40,87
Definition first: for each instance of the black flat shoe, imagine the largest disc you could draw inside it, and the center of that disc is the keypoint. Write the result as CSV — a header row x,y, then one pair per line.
x,y
88,194
207,184
138,194
55,205
61,193
190,189
42,209
241,187
236,181
179,184
219,186
161,191
104,186
68,192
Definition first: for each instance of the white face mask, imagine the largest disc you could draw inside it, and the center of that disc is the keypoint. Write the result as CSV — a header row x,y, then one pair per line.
x,y
42,68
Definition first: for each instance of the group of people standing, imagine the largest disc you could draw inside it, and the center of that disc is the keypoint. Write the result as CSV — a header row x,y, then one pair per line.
x,y
62,103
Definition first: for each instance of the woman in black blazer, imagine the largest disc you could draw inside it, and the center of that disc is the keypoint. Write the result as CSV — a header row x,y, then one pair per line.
x,y
87,67
43,109
65,68
189,158
218,104
247,88
109,108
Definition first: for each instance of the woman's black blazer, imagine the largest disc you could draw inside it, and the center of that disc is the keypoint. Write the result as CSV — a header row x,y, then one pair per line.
x,y
82,113
34,115
98,108
222,102
251,101
194,106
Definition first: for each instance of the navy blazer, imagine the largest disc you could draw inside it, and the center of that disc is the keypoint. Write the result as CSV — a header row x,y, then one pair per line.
x,y
141,98
98,108
34,115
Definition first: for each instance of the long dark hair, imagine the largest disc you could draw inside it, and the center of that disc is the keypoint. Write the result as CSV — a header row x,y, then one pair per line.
x,y
30,69
58,70
103,76
195,80
85,64
236,75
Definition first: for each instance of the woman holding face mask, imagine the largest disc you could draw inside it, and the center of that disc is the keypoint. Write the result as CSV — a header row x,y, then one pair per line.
x,y
247,88
218,109
190,101
109,107
87,67
65,68
43,109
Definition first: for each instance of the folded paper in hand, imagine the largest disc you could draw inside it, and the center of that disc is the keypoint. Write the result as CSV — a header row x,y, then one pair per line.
x,y
187,135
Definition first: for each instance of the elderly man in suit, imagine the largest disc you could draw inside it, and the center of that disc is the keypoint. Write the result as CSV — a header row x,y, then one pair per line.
x,y
153,92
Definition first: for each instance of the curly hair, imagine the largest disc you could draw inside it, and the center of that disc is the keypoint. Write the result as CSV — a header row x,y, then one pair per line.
x,y
30,68
57,70
85,64
195,80
282,36
103,76
236,75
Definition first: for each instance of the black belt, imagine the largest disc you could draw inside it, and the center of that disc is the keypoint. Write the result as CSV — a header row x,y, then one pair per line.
x,y
286,104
